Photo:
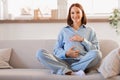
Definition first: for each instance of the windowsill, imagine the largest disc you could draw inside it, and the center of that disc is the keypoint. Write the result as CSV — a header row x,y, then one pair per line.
x,y
90,19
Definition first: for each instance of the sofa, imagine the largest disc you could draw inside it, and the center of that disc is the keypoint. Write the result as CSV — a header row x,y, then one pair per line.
x,y
25,66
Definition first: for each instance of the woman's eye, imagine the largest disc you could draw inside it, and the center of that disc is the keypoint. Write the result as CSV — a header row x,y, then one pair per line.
x,y
72,12
78,12
75,12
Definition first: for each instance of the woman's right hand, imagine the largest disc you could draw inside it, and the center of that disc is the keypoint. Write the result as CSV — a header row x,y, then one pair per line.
x,y
72,53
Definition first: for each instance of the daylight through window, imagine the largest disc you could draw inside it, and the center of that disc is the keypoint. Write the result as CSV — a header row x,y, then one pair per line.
x,y
55,9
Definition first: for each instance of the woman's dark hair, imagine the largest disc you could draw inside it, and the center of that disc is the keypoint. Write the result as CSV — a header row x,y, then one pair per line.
x,y
83,20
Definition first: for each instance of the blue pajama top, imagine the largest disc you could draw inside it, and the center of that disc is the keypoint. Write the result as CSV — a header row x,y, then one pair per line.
x,y
63,43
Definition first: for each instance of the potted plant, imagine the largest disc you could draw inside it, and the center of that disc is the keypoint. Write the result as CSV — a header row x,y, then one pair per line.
x,y
114,19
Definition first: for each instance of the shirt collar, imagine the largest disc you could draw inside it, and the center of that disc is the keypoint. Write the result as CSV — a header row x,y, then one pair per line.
x,y
82,26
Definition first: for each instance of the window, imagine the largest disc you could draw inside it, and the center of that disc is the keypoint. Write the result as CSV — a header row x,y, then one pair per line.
x,y
44,5
1,10
97,6
25,9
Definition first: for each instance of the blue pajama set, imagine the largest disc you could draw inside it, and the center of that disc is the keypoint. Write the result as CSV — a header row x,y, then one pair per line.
x,y
89,55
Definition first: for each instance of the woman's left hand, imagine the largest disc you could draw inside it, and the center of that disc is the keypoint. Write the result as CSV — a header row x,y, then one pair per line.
x,y
77,38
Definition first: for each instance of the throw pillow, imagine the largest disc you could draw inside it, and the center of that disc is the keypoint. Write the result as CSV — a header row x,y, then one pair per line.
x,y
110,65
5,57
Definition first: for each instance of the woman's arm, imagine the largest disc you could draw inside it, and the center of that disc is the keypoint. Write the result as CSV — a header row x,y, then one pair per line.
x,y
92,43
59,47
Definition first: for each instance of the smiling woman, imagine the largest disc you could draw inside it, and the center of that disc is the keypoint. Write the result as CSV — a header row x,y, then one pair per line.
x,y
15,8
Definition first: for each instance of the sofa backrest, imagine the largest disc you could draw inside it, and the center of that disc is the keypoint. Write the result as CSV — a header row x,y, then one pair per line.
x,y
24,51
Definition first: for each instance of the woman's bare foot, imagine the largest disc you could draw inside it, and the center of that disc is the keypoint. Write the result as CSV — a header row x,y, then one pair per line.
x,y
79,73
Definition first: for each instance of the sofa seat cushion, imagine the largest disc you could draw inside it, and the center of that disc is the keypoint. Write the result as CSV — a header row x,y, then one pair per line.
x,y
23,74
42,74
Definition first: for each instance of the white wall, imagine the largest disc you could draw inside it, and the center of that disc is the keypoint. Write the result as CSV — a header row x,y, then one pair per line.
x,y
30,31
13,31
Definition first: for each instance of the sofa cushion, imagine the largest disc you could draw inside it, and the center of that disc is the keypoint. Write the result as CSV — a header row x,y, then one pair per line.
x,y
23,74
106,46
111,64
5,57
42,74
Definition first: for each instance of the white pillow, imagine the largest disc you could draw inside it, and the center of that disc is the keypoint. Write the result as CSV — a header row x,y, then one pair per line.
x,y
111,64
5,57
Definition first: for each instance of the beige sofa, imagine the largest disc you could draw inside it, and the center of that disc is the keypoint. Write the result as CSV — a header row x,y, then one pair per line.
x,y
26,66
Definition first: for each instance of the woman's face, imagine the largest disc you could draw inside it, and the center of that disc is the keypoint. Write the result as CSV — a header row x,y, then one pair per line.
x,y
76,14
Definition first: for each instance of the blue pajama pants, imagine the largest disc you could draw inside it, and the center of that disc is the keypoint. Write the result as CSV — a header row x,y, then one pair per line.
x,y
61,67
